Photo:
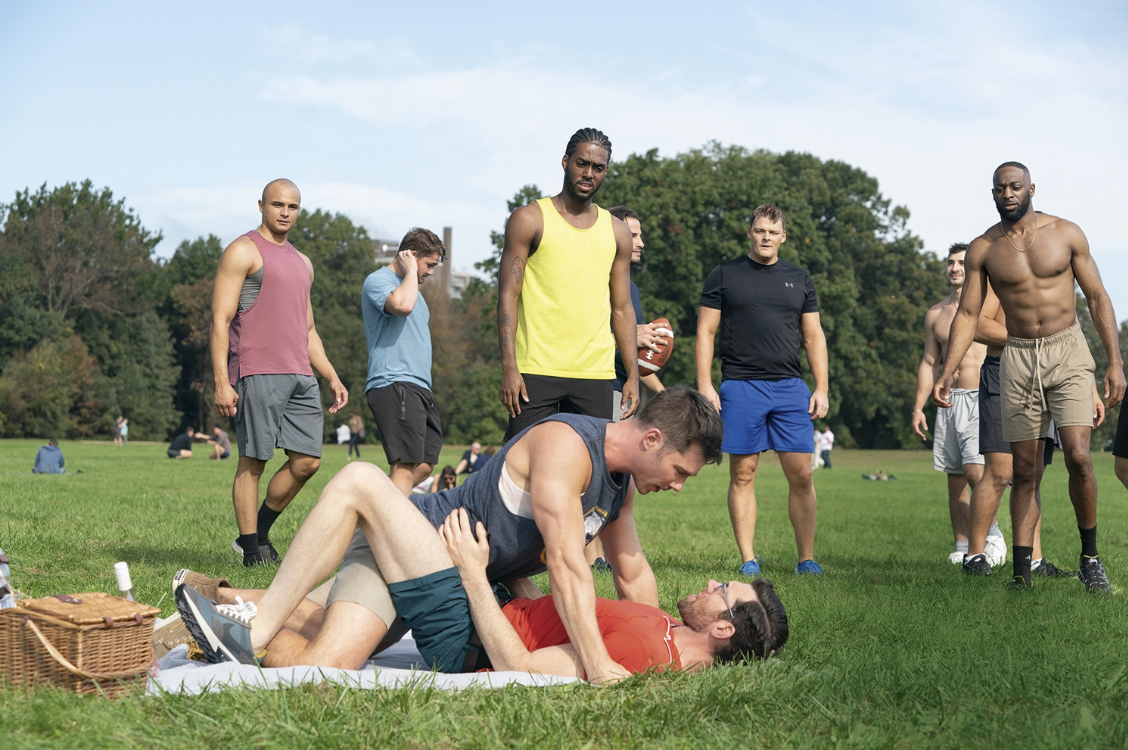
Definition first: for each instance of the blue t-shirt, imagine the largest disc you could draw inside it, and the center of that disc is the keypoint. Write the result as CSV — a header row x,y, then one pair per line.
x,y
399,347
49,460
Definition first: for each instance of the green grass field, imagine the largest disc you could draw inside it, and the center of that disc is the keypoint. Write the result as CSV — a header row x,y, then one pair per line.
x,y
893,647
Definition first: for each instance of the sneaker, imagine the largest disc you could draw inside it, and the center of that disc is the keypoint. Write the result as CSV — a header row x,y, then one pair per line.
x,y
222,631
267,555
996,550
209,587
1018,583
1092,574
601,565
1046,569
808,567
957,557
977,564
170,634
751,568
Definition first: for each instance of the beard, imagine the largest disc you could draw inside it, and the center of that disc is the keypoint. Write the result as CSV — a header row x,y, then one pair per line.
x,y
570,186
693,618
1016,213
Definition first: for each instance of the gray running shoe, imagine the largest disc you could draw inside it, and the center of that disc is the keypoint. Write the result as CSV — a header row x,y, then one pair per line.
x,y
222,631
1047,569
977,564
1092,574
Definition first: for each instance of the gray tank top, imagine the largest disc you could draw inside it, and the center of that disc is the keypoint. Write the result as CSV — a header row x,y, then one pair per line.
x,y
516,544
252,285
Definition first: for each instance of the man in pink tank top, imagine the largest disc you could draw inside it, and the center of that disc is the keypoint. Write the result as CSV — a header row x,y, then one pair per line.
x,y
264,350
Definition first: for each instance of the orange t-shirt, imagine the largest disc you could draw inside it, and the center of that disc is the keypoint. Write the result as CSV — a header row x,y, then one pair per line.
x,y
637,636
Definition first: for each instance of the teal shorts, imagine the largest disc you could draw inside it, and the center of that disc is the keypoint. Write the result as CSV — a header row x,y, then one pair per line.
x,y
436,609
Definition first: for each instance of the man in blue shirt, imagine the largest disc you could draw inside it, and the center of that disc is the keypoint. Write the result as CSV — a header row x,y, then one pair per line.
x,y
399,359
49,459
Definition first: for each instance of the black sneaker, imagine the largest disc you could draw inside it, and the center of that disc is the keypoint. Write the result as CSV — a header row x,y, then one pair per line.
x,y
1047,569
977,564
266,555
1018,583
601,565
269,553
1092,574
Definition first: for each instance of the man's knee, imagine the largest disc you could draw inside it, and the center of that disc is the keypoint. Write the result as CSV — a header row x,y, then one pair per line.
x,y
800,476
742,472
304,467
1077,458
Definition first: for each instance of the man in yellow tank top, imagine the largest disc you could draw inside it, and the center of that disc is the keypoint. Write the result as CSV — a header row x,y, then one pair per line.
x,y
564,271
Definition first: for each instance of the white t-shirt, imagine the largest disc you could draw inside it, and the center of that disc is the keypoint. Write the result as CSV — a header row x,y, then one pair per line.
x,y
344,434
826,440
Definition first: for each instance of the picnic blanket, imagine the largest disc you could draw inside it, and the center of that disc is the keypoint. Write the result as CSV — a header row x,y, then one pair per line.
x,y
397,667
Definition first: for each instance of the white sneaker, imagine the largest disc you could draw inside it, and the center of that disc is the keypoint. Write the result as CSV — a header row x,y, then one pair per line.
x,y
996,551
956,558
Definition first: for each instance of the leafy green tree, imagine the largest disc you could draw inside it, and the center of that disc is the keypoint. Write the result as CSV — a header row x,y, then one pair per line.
x,y
1102,436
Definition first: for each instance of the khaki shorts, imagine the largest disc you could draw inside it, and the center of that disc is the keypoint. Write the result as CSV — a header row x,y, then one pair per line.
x,y
1044,379
361,582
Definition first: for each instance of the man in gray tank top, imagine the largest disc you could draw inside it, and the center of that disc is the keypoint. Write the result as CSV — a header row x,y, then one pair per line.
x,y
547,493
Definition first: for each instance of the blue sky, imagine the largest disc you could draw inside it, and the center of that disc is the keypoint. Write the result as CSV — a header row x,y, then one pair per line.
x,y
434,114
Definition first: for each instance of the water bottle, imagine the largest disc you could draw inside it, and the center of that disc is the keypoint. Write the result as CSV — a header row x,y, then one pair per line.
x,y
125,585
7,600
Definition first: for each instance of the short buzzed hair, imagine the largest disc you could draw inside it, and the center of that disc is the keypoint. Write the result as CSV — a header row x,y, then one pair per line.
x,y
280,181
769,212
424,242
686,419
1016,165
958,247
622,213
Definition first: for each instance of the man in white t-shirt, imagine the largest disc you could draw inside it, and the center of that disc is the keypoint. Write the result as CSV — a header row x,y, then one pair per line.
x,y
825,444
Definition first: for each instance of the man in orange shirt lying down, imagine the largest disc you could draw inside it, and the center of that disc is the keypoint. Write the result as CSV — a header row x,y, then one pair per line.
x,y
725,621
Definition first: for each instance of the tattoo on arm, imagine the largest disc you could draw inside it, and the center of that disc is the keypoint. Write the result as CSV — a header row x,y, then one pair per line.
x,y
517,268
506,331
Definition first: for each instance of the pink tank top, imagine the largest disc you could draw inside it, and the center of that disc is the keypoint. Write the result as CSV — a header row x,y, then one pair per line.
x,y
272,336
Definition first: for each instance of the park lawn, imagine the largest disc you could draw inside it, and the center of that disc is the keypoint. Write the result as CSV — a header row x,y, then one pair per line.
x,y
893,647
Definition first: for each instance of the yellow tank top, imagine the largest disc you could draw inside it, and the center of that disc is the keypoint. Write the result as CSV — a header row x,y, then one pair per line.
x,y
564,311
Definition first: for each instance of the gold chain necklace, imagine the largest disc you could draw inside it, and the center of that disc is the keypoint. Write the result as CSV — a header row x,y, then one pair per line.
x,y
1031,239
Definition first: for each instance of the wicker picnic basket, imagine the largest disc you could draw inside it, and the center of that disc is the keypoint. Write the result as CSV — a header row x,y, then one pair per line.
x,y
86,643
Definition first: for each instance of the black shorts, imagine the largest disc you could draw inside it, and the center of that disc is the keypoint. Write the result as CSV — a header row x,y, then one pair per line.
x,y
1120,445
991,414
408,422
549,395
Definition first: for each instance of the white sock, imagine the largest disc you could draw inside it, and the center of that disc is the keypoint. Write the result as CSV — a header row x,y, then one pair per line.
x,y
961,546
1037,563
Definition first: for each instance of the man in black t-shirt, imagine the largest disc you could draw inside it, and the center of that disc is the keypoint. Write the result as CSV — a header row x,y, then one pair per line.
x,y
766,309
181,445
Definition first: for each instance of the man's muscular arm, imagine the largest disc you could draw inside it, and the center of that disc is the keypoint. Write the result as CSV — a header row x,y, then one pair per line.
x,y
522,232
988,330
814,341
234,266
555,489
967,318
926,372
623,320
708,319
1100,308
634,579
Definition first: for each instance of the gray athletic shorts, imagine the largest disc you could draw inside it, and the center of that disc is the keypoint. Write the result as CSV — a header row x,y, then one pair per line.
x,y
956,437
282,411
361,582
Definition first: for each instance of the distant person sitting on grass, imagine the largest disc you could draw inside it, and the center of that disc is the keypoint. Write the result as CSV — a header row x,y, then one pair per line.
x,y
469,459
181,445
445,480
49,459
220,442
880,476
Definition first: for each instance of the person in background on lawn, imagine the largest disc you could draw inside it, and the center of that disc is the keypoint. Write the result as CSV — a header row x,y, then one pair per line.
x,y
825,444
445,480
124,430
220,442
181,445
356,433
469,459
117,431
49,459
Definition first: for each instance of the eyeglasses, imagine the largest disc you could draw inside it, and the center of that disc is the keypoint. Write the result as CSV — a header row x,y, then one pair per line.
x,y
724,591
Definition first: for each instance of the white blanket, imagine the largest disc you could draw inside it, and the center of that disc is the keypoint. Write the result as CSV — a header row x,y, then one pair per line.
x,y
397,667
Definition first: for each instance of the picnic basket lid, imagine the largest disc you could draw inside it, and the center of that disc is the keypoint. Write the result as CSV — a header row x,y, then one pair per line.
x,y
91,608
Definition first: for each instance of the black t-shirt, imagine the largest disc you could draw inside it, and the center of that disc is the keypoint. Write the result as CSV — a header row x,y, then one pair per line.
x,y
181,442
760,311
620,370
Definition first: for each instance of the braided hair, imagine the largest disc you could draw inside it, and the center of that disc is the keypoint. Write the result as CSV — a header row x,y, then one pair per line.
x,y
588,135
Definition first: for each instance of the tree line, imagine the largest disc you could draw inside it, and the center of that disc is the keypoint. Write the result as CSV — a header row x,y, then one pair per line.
x,y
93,325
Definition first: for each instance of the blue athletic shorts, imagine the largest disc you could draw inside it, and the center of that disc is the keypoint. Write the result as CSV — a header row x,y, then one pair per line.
x,y
437,612
762,415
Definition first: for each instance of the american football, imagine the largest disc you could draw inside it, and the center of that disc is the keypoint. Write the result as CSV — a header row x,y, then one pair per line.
x,y
650,360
